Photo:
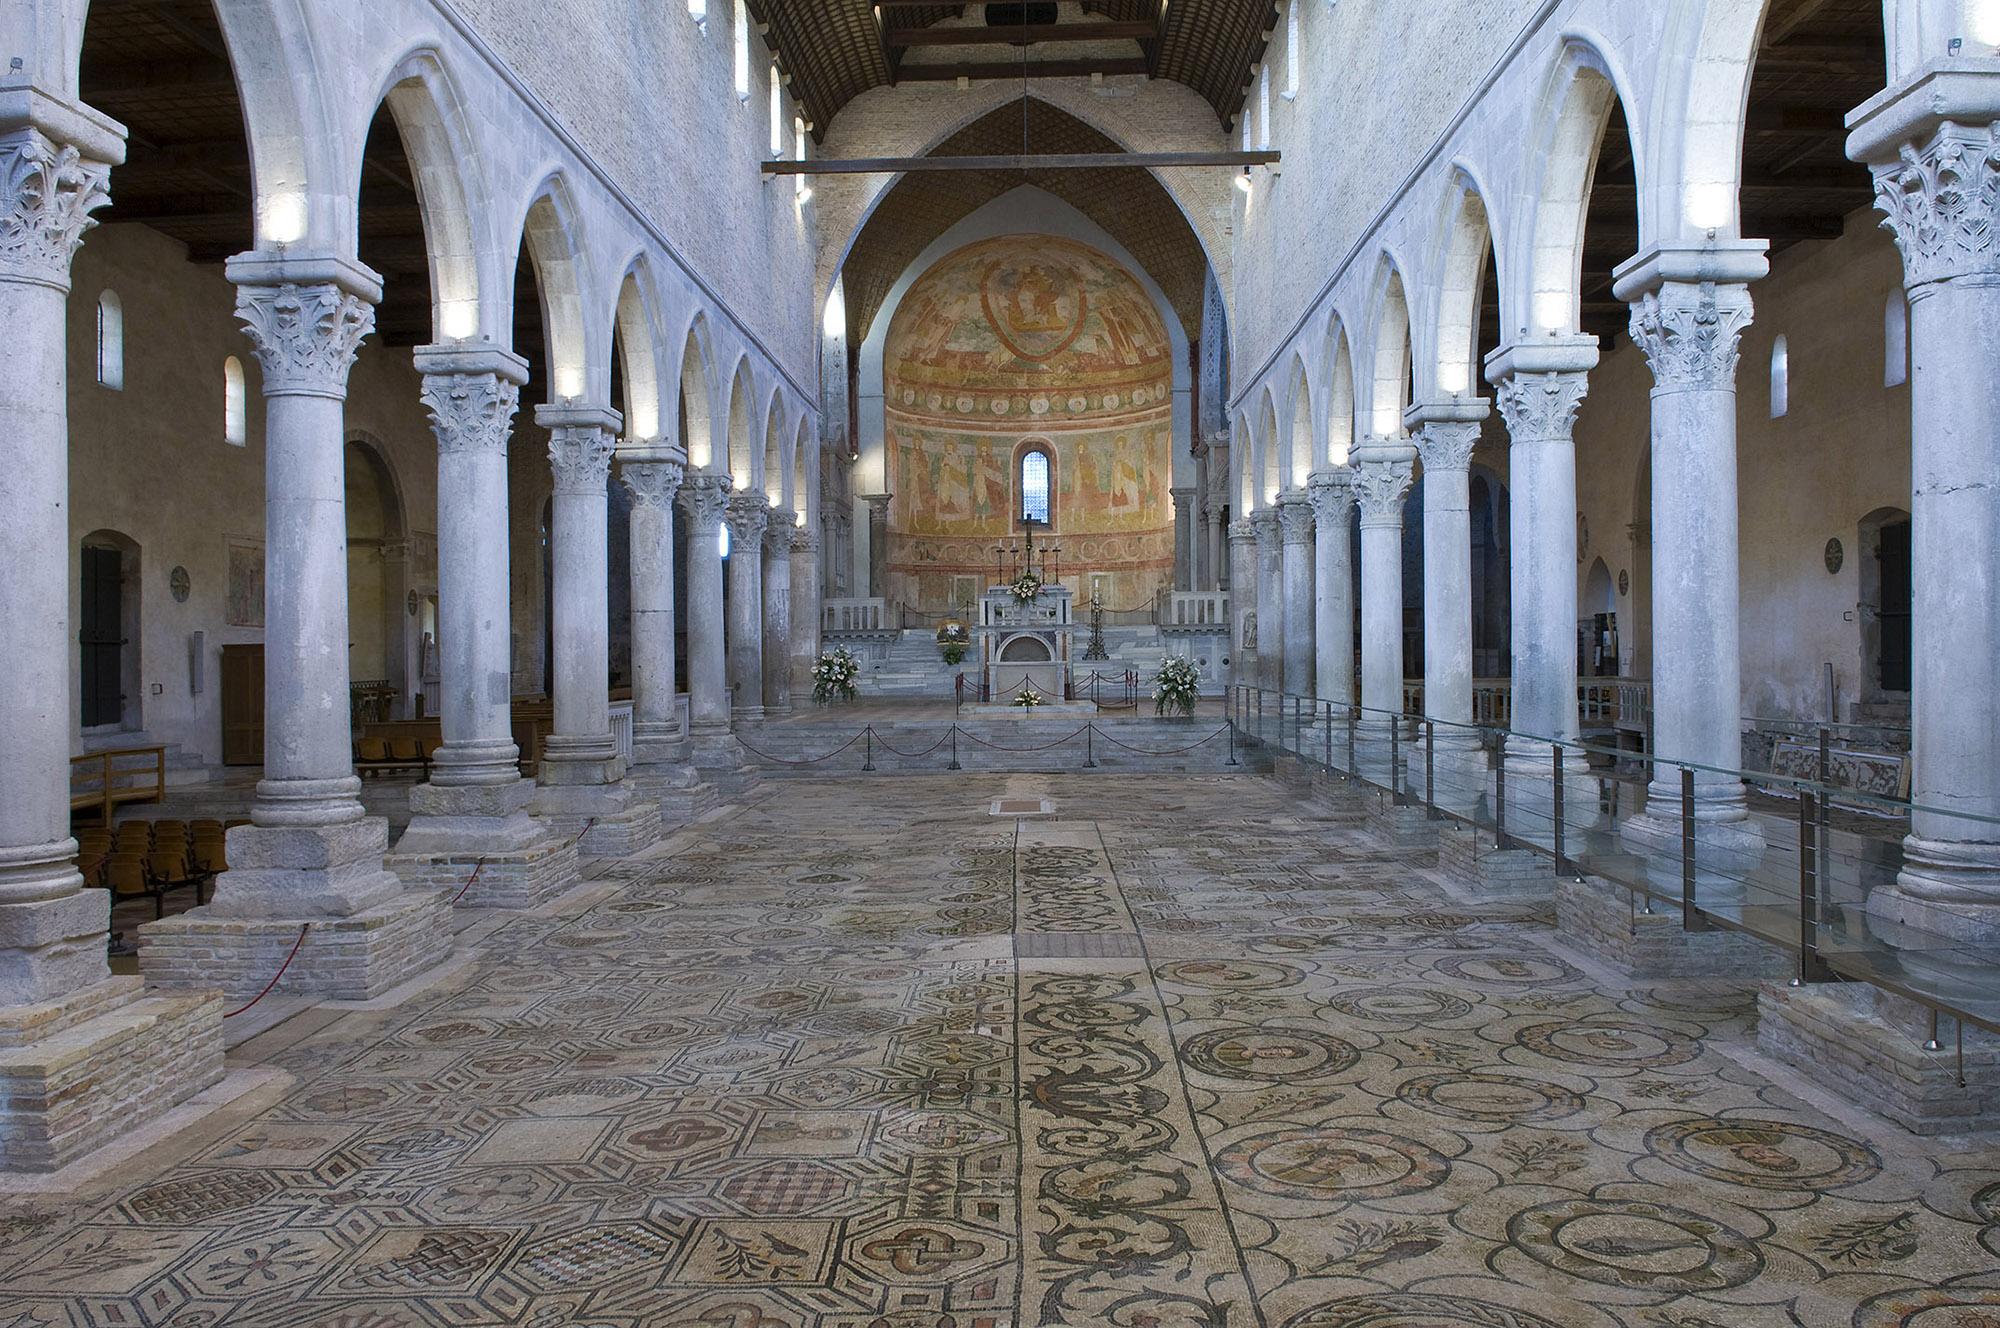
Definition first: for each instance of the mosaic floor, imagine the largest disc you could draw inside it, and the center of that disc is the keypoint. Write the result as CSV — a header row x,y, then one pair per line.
x,y
862,1055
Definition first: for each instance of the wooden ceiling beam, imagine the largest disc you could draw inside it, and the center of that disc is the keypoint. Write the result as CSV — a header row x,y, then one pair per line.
x,y
117,81
979,71
1095,161
1022,36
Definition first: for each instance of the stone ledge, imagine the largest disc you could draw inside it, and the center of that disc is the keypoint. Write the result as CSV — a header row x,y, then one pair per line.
x,y
521,880
136,1056
1603,920
356,957
1511,873
622,834
1867,1046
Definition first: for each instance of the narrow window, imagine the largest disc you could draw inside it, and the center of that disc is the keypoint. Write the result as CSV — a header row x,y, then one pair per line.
x,y
722,539
1896,341
1781,378
235,412
111,341
1248,142
777,112
698,10
1264,108
1292,55
1034,486
742,52
799,182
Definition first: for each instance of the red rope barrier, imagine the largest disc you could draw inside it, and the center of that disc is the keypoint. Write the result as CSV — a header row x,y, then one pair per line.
x,y
477,868
303,929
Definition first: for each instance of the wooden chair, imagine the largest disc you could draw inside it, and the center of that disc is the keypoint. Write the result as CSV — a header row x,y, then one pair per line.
x,y
169,870
211,857
125,876
205,827
371,756
409,752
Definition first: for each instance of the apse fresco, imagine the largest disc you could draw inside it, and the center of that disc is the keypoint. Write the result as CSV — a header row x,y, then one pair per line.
x,y
1004,344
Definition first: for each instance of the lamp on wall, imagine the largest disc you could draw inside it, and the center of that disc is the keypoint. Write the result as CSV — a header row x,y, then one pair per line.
x,y
1243,180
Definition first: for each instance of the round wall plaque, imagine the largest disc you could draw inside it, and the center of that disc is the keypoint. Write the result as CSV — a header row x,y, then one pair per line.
x,y
1835,555
1624,582
178,583
413,603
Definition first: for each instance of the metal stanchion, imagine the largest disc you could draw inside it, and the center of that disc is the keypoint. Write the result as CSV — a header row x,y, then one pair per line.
x,y
1558,751
1395,760
1353,766
1811,967
1089,747
954,750
1232,743
1430,770
1260,714
1691,918
868,751
1500,798
1327,736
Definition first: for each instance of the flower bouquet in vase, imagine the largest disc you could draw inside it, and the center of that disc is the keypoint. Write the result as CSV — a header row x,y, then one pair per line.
x,y
833,674
1176,687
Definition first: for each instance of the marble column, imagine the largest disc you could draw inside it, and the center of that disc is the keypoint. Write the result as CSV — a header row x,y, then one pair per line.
x,y
583,789
311,855
1444,442
877,531
704,498
1185,533
777,589
1382,474
1242,604
475,802
748,514
1540,386
1270,598
1332,493
76,1049
806,600
1218,544
652,478
1934,145
1295,522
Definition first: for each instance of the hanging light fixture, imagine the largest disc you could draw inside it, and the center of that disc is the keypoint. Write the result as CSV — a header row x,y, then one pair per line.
x,y
1243,180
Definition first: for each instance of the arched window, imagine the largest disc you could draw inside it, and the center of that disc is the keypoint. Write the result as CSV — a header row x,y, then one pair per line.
x,y
1035,481
1896,341
1264,108
110,341
235,407
1293,56
1781,378
742,43
799,141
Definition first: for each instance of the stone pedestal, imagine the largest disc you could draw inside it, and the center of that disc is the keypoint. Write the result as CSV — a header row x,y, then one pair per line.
x,y
1609,923
1869,1047
485,830
1468,857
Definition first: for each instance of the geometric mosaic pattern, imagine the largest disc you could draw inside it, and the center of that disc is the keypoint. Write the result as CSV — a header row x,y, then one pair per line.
x,y
863,1056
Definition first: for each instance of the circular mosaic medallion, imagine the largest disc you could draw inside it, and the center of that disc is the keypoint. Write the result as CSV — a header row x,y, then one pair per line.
x,y
1409,1309
1267,1055
1508,970
1400,1005
1231,974
1333,1163
1931,1307
1616,1043
1644,1246
1497,1098
1764,1154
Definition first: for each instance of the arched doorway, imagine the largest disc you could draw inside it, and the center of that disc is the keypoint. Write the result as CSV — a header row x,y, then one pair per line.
x,y
108,691
1597,625
1884,606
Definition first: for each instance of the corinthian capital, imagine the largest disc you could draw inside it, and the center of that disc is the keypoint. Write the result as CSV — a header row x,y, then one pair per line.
x,y
651,483
1539,407
1942,201
1445,445
1242,532
805,540
703,496
1379,487
748,513
305,336
580,455
1264,527
1332,496
1295,518
51,190
471,412
1692,333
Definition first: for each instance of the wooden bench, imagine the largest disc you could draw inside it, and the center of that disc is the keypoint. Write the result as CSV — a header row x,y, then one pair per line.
x,y
100,782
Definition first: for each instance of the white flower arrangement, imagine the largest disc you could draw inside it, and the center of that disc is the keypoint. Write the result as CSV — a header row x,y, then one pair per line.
x,y
1028,698
833,676
1176,687
1026,587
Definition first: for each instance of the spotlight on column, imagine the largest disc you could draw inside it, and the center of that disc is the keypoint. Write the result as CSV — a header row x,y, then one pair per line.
x,y
1243,180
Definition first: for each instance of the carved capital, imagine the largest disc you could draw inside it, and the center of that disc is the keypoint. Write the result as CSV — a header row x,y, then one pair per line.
x,y
778,533
1332,498
1295,519
1446,445
580,455
1241,532
471,412
703,497
1264,528
305,337
51,190
651,483
1539,407
747,514
1379,488
805,541
1941,199
1692,333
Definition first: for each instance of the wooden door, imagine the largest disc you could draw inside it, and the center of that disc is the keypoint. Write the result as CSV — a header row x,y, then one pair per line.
x,y
103,636
243,705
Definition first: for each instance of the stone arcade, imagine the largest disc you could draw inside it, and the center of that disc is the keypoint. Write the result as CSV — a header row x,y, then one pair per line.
x,y
440,437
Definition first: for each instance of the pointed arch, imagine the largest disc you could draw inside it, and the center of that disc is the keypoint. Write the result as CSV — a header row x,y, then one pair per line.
x,y
696,398
742,455
1714,115
1582,94
429,115
1303,453
1468,240
640,361
1339,393
556,252
1389,369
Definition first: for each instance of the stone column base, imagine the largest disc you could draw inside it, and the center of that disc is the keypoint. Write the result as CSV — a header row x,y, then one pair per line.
x,y
1604,921
355,957
1414,835
682,796
483,828
1727,856
1947,888
716,750
1469,857
612,821
1336,799
1867,1046
1531,800
78,1072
